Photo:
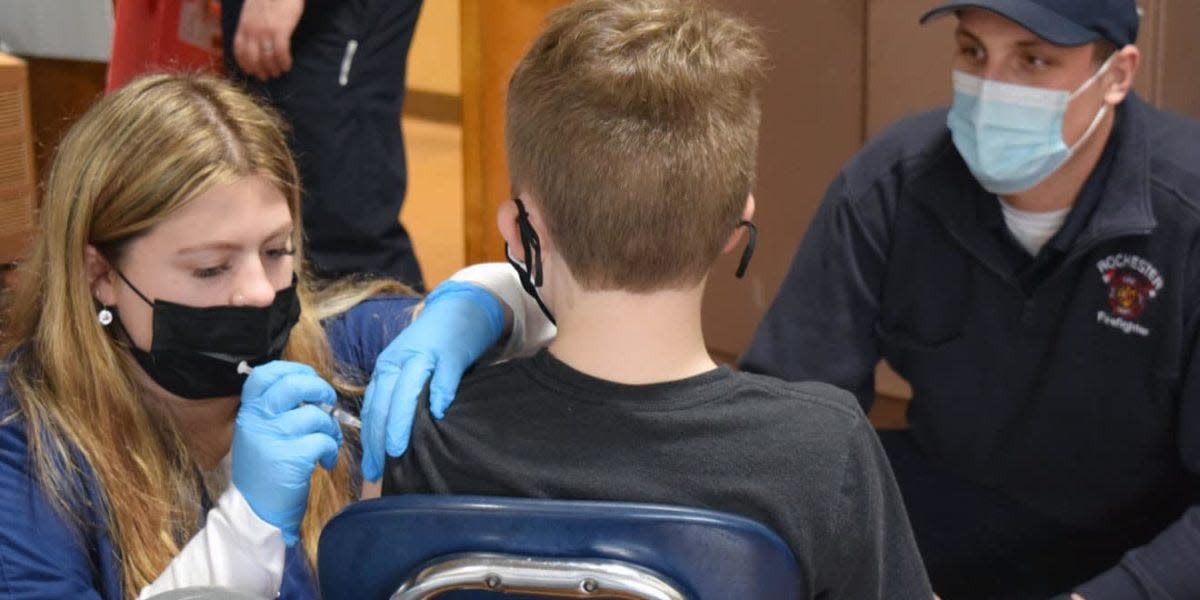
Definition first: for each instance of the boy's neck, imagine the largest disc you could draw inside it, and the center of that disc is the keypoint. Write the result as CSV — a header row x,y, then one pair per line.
x,y
632,338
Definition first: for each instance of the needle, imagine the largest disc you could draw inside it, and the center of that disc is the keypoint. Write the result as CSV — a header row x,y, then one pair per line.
x,y
338,413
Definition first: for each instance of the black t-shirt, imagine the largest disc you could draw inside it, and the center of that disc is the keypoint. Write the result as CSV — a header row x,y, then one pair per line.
x,y
799,457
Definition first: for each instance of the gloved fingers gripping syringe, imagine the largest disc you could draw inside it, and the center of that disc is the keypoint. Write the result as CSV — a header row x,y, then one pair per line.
x,y
338,413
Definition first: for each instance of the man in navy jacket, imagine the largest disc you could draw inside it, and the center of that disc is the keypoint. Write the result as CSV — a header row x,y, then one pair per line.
x,y
1029,260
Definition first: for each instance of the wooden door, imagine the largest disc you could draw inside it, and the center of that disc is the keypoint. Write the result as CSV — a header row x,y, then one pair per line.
x,y
495,36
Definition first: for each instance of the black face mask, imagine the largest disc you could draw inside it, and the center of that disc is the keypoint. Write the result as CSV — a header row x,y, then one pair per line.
x,y
530,273
195,352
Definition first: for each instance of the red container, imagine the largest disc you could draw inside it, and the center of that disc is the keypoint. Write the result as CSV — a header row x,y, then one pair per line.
x,y
164,35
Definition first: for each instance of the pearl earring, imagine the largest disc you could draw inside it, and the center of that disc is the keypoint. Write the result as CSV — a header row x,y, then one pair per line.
x,y
105,316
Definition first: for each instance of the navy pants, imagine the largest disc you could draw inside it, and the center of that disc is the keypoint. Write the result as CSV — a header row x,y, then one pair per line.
x,y
345,131
979,544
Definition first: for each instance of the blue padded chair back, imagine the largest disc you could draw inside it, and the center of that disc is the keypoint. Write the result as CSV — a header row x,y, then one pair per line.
x,y
372,547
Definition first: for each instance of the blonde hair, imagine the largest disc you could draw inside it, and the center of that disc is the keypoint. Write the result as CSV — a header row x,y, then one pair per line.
x,y
137,156
634,124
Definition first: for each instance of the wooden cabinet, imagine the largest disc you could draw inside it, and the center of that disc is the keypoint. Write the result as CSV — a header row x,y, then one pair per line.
x,y
16,161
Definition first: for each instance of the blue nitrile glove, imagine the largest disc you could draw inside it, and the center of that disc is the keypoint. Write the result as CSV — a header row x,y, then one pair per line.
x,y
459,323
277,440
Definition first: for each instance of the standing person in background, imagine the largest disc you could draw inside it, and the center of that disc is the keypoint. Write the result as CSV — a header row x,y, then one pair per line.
x,y
1030,262
335,70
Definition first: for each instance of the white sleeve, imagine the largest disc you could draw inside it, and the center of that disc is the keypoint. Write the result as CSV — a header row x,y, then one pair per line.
x,y
531,330
234,550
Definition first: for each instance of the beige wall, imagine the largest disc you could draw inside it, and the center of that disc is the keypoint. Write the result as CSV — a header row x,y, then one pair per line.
x,y
812,121
435,59
433,208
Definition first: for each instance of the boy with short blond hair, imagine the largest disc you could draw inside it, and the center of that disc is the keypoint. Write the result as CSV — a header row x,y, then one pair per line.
x,y
632,128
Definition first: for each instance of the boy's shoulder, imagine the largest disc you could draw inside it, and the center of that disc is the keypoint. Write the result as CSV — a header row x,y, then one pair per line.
x,y
817,400
487,377
812,429
815,403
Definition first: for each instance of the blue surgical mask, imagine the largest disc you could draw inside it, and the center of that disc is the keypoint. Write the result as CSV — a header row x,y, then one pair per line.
x,y
1010,135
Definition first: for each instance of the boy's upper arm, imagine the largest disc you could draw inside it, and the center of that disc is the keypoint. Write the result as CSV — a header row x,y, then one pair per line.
x,y
876,555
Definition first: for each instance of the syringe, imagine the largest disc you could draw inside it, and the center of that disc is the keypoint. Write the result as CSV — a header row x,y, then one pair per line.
x,y
338,413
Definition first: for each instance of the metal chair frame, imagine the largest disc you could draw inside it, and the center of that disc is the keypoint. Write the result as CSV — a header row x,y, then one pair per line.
x,y
419,546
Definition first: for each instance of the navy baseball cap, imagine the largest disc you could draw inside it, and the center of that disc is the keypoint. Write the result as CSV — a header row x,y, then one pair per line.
x,y
1061,22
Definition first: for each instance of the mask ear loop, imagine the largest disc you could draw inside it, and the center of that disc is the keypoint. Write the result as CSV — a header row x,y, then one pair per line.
x,y
122,336
531,277
133,287
531,243
1099,114
752,239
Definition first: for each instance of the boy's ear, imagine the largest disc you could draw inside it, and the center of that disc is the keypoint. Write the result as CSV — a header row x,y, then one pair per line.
x,y
506,221
100,276
735,237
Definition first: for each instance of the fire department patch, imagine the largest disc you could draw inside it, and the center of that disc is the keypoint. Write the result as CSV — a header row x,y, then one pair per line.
x,y
1132,283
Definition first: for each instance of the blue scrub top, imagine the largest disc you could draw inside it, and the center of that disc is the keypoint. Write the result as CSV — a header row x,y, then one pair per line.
x,y
44,556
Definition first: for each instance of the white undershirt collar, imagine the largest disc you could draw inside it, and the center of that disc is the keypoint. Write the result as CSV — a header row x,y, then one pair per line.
x,y
1033,229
